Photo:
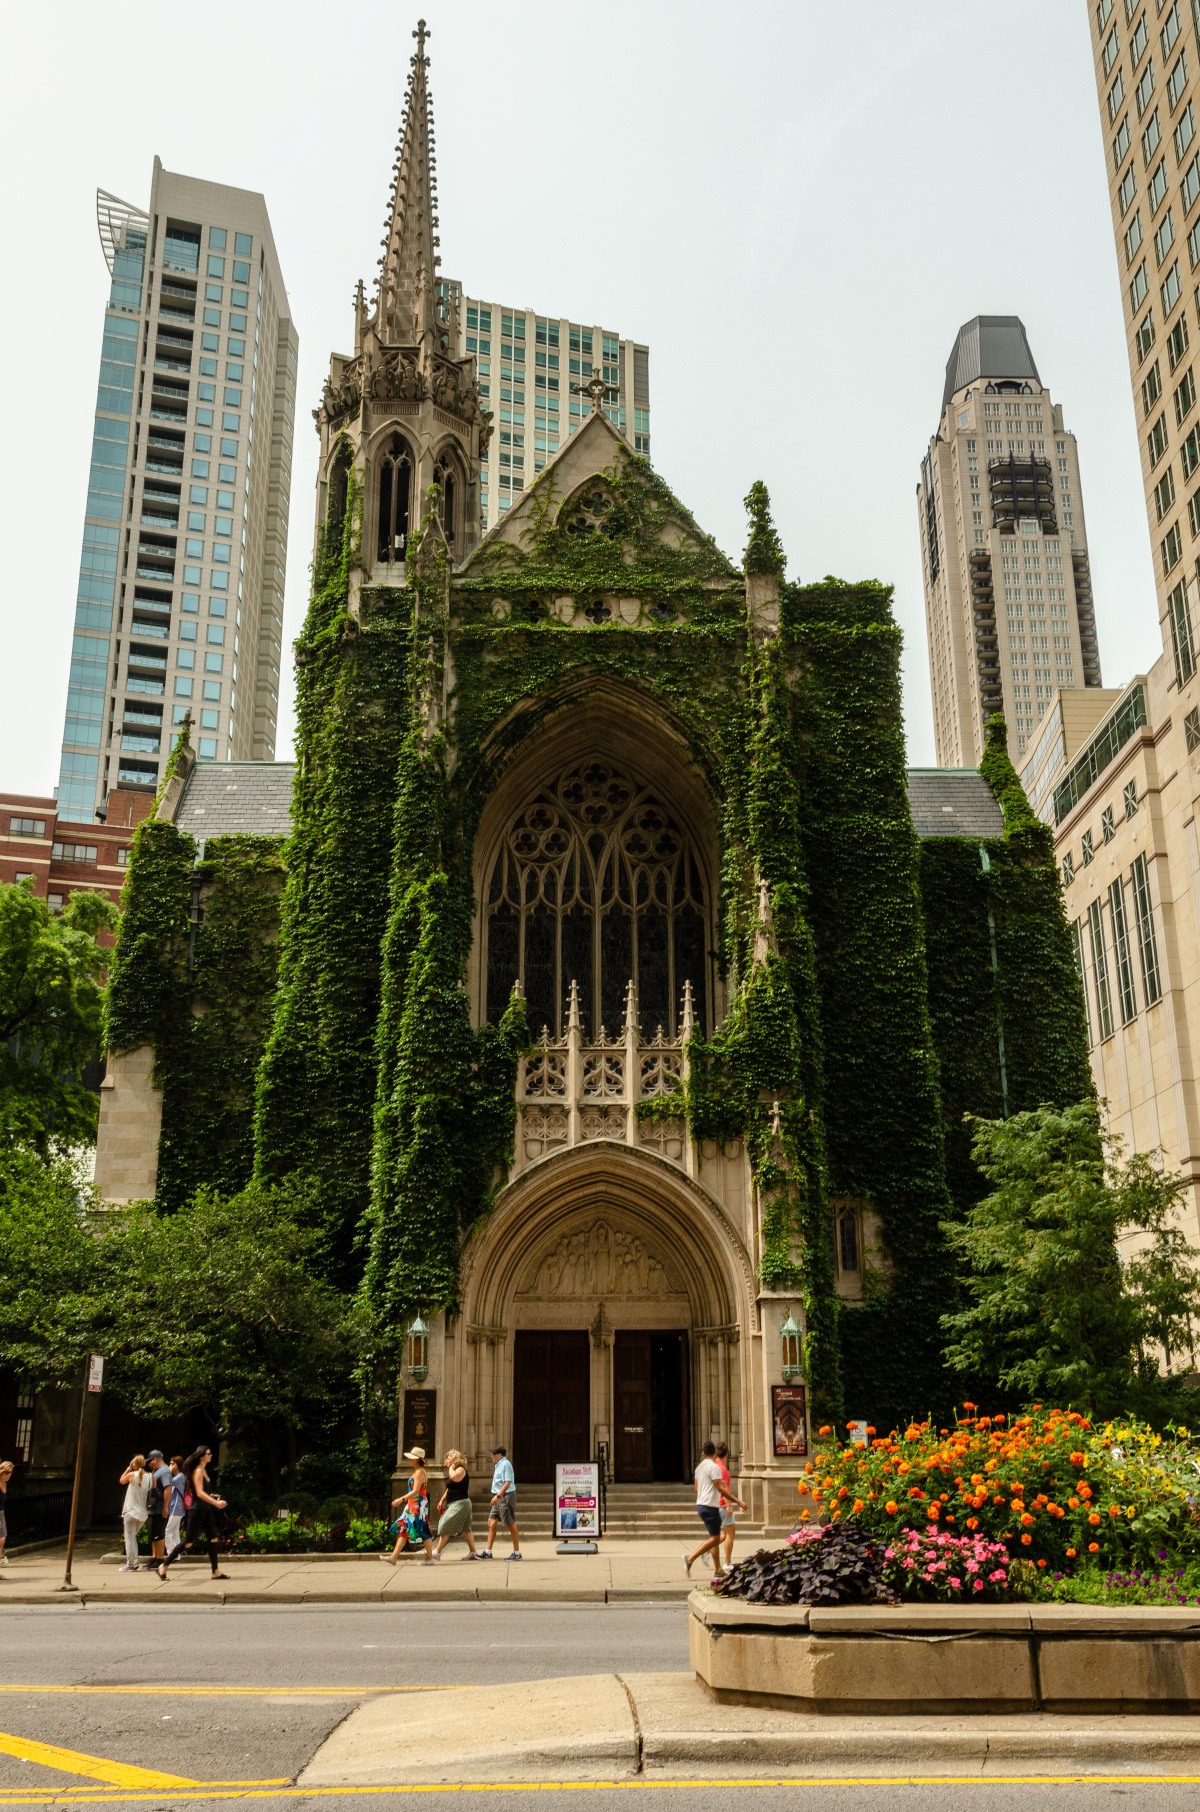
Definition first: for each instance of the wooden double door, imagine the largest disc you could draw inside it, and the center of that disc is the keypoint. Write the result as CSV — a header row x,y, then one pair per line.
x,y
552,1404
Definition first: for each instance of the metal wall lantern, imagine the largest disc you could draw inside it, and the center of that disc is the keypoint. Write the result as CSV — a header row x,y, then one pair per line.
x,y
417,1358
793,1368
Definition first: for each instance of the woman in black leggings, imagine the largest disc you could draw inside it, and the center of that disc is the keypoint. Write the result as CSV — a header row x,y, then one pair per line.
x,y
200,1523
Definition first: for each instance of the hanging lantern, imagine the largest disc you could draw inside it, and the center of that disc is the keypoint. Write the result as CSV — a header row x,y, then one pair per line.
x,y
417,1361
790,1339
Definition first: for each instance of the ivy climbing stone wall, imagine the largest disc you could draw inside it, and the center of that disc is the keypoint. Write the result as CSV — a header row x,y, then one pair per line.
x,y
861,1003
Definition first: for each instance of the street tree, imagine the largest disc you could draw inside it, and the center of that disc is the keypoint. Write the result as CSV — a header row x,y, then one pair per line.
x,y
51,992
1050,1311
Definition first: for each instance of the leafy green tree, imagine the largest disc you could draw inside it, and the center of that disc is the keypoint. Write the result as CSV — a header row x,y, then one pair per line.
x,y
227,1310
51,994
54,1309
1164,1283
1050,1312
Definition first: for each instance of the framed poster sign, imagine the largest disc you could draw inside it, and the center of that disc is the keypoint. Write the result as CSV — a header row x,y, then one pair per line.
x,y
577,1501
790,1420
420,1422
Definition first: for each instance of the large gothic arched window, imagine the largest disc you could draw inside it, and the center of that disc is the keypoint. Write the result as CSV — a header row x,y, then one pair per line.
x,y
395,489
595,882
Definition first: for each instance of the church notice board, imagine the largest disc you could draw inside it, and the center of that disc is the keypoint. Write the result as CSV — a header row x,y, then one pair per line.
x,y
420,1421
788,1413
577,1501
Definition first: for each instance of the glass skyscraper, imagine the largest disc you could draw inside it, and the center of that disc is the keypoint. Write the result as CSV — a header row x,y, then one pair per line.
x,y
179,609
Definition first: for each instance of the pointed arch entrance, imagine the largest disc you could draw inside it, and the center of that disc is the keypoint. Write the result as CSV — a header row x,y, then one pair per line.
x,y
602,1305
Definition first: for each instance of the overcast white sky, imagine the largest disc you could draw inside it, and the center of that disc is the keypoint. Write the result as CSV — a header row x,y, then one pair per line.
x,y
795,205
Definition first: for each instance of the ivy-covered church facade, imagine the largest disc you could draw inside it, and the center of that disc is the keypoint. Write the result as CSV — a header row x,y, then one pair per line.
x,y
598,956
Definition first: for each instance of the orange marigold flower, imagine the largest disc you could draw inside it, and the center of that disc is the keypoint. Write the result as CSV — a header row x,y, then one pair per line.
x,y
1018,1504
1114,1509
1073,1503
826,1430
1041,1563
843,1491
858,1505
870,1430
1093,1547
970,1406
1079,1459
972,1522
891,1507
1070,1553
1028,1540
1093,1519
1026,1519
933,1511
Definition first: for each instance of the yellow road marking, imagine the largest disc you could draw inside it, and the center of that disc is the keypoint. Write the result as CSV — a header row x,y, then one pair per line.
x,y
267,1790
263,1692
94,1767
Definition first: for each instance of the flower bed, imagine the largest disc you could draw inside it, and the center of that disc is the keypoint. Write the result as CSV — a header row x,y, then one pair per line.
x,y
1049,1486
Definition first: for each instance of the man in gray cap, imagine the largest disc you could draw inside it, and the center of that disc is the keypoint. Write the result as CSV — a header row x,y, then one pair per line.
x,y
156,1502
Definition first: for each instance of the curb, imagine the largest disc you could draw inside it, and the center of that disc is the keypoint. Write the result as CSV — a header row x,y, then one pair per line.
x,y
51,1599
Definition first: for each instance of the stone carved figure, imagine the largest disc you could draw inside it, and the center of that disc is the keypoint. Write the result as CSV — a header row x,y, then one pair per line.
x,y
601,1261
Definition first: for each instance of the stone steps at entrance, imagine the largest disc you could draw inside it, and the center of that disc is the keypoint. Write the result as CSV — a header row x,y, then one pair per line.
x,y
656,1512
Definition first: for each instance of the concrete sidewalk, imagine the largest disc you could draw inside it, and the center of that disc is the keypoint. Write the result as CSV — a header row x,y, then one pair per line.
x,y
620,1725
634,1571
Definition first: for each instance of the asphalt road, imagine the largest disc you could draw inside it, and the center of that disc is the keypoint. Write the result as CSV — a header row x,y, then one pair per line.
x,y
300,1671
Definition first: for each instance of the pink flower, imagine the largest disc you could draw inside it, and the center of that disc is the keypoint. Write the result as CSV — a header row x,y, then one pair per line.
x,y
956,1583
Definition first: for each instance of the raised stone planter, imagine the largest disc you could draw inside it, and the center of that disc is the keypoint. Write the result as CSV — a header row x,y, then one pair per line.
x,y
934,1658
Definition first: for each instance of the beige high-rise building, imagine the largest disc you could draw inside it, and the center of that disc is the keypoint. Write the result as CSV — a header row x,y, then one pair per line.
x,y
1008,588
532,370
180,603
1121,794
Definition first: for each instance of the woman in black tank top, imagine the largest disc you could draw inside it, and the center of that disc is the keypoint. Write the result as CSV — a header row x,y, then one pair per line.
x,y
455,1510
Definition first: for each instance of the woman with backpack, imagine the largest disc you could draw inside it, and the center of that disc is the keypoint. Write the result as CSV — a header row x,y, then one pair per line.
x,y
137,1482
200,1507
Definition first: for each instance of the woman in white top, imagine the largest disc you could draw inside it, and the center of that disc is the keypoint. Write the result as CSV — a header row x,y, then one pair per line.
x,y
136,1481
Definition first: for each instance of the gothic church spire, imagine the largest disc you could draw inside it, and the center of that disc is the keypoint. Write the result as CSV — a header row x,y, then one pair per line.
x,y
406,304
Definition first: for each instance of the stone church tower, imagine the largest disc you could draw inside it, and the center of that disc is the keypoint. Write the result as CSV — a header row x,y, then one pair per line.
x,y
404,413
627,996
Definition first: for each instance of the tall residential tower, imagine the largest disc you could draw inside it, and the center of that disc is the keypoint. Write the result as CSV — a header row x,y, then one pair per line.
x,y
1008,591
532,370
180,601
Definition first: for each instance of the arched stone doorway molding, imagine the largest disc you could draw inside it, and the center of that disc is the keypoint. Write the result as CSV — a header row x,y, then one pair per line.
x,y
606,1240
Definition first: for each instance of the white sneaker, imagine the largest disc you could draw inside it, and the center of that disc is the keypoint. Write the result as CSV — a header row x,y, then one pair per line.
x,y
3,1560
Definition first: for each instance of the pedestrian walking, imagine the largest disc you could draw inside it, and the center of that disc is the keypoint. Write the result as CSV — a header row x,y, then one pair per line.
x,y
455,1510
156,1503
134,1511
200,1513
412,1524
710,1489
502,1511
6,1471
175,1505
728,1515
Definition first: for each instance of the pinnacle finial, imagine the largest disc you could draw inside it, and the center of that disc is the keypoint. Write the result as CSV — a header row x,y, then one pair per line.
x,y
687,1021
630,1021
422,32
573,1020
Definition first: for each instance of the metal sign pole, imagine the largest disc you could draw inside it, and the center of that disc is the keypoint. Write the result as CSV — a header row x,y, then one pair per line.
x,y
93,1383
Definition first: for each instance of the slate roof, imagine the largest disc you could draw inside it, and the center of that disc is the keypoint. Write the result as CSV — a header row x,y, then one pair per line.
x,y
953,802
247,798
990,346
237,798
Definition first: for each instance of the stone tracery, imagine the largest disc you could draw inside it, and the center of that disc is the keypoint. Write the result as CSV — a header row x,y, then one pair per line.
x,y
596,883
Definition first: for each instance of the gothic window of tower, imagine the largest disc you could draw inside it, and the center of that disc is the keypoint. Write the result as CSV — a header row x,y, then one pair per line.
x,y
395,493
596,882
448,478
339,492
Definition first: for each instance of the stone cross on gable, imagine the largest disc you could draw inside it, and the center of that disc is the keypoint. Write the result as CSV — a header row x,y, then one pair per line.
x,y
598,390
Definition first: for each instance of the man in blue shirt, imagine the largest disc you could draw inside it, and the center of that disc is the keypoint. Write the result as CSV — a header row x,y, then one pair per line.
x,y
502,1511
160,1491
